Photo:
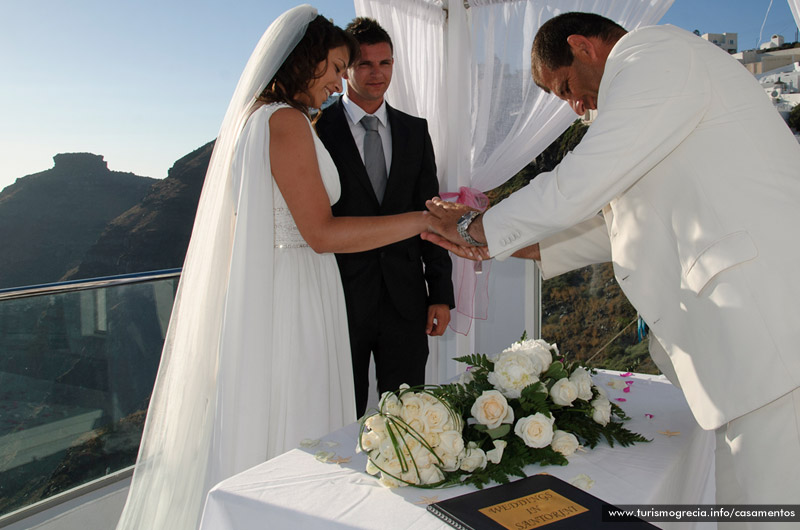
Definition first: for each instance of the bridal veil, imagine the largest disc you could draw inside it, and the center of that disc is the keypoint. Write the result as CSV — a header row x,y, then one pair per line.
x,y
203,423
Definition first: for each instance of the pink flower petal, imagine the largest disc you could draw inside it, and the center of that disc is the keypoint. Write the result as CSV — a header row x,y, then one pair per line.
x,y
621,399
629,383
626,389
626,374
649,416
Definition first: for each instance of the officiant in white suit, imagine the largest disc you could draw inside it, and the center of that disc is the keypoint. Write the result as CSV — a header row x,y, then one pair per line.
x,y
688,181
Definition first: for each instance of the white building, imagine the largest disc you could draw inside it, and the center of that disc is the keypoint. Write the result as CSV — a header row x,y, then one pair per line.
x,y
727,41
775,42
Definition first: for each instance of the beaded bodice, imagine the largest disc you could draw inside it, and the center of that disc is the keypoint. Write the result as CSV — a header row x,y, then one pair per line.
x,y
286,233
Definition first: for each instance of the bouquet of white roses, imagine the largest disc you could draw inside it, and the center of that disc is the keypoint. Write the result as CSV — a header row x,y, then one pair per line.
x,y
525,405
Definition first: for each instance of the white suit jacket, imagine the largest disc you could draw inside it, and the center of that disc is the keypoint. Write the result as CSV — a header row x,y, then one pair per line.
x,y
698,181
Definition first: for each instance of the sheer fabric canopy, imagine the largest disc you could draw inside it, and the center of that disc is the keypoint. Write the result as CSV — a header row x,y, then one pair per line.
x,y
465,67
794,5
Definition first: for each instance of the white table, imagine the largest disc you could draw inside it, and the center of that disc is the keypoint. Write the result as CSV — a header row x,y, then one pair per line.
x,y
295,490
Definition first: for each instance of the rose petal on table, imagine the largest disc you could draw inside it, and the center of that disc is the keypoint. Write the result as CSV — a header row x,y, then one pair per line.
x,y
324,456
626,374
582,481
648,416
621,399
308,443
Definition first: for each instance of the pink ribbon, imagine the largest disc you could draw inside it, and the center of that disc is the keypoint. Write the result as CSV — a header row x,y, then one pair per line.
x,y
469,196
472,298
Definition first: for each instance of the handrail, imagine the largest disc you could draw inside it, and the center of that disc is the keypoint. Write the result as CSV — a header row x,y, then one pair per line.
x,y
12,293
65,496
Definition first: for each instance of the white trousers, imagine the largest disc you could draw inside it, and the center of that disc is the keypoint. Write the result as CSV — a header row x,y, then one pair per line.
x,y
758,458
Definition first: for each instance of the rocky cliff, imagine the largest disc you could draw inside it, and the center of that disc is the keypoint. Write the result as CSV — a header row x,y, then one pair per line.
x,y
49,220
154,233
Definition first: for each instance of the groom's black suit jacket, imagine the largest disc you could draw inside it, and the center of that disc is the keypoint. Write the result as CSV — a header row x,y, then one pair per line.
x,y
412,180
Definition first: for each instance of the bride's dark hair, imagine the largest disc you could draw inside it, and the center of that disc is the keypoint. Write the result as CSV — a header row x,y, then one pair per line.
x,y
300,68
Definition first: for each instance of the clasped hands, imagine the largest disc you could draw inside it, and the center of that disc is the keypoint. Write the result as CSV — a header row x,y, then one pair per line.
x,y
442,219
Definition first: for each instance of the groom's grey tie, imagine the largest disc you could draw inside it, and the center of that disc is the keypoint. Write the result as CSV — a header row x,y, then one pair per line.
x,y
374,159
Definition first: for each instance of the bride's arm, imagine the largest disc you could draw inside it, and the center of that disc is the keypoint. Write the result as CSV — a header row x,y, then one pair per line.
x,y
294,164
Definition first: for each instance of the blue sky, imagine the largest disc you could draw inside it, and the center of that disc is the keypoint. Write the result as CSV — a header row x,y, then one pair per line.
x,y
144,83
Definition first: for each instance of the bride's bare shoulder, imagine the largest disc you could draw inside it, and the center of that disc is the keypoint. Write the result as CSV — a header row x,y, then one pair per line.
x,y
287,119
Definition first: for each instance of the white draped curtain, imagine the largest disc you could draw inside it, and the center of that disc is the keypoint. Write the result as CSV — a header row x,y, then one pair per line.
x,y
794,5
465,67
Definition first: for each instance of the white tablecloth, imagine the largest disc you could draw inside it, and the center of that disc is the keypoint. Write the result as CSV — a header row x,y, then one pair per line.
x,y
295,490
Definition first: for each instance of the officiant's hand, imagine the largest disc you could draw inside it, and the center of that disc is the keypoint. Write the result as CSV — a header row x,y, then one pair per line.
x,y
444,218
467,252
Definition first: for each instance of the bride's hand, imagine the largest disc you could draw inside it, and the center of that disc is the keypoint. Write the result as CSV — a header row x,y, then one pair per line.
x,y
468,252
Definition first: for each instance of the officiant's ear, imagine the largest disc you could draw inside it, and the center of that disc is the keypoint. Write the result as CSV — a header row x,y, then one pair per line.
x,y
583,48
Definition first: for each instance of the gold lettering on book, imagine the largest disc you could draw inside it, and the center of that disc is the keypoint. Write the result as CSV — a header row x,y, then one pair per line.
x,y
533,511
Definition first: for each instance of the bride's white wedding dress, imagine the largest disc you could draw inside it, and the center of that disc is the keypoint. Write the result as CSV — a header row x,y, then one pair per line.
x,y
257,355
311,381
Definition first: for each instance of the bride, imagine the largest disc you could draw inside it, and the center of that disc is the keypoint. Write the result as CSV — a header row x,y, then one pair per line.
x,y
257,355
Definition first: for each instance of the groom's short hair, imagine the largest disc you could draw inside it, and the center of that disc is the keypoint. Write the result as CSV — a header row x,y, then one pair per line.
x,y
367,31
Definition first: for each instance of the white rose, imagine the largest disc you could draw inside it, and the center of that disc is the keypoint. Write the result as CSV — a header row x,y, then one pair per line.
x,y
372,469
564,442
387,449
474,458
431,474
582,481
411,442
564,392
601,410
376,423
369,441
450,462
513,371
389,482
422,456
412,407
434,416
536,431
601,391
432,438
391,467
537,349
454,423
581,378
450,442
491,409
495,455
390,404
543,350
417,425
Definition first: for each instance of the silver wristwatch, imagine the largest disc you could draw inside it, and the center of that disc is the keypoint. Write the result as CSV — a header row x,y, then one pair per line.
x,y
463,225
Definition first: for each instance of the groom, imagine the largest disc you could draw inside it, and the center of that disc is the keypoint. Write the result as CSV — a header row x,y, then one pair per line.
x,y
399,294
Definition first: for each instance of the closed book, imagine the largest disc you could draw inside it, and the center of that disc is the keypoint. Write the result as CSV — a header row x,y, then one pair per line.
x,y
532,502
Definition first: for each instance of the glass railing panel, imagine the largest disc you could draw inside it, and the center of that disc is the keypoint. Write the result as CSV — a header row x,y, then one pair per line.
x,y
586,313
76,372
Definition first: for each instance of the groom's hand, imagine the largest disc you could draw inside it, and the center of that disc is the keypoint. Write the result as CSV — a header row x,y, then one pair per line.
x,y
438,319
